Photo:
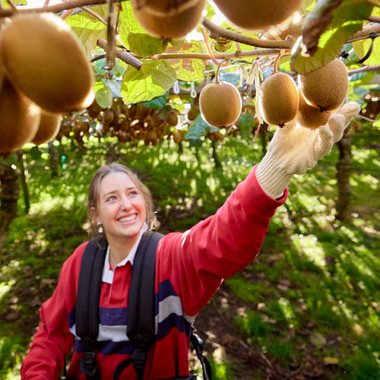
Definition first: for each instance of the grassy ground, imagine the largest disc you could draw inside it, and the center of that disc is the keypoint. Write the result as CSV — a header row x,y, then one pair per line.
x,y
309,303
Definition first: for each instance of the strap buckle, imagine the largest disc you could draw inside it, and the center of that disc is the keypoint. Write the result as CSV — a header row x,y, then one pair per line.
x,y
89,366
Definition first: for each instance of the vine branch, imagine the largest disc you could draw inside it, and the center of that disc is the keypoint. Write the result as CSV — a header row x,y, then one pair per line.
x,y
374,19
221,32
364,70
123,55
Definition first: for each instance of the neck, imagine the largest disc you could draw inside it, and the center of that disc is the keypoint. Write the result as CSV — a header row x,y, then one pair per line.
x,y
120,248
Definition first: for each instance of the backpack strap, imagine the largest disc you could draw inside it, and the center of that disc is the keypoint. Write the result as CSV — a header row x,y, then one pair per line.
x,y
141,321
87,305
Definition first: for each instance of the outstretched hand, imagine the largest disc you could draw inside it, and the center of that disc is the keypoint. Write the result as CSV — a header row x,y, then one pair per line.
x,y
294,149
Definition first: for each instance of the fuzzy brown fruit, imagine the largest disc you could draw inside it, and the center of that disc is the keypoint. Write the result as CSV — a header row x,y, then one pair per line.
x,y
163,8
48,127
327,87
258,14
45,60
171,26
310,117
279,99
220,104
19,118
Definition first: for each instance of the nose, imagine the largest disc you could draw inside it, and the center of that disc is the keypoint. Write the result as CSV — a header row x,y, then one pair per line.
x,y
126,203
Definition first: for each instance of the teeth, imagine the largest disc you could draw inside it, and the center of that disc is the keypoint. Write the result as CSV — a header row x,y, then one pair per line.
x,y
128,218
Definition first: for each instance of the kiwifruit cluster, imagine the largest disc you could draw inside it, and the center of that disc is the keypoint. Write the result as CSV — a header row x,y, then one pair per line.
x,y
220,104
170,19
257,14
44,71
319,94
132,123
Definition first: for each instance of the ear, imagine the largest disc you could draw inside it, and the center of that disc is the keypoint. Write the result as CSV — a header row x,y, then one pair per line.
x,y
94,215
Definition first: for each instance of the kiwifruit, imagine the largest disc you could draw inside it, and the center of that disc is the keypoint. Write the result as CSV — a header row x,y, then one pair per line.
x,y
325,88
220,104
124,109
310,117
177,137
279,99
257,14
151,138
108,116
132,111
173,119
142,112
46,61
171,26
48,127
91,113
163,8
158,119
193,113
19,118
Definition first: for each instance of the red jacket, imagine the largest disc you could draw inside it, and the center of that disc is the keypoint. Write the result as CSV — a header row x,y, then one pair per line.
x,y
189,269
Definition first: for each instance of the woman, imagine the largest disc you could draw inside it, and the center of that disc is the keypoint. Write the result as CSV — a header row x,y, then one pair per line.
x,y
189,266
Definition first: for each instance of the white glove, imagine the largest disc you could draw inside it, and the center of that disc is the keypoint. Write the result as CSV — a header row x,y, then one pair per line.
x,y
294,149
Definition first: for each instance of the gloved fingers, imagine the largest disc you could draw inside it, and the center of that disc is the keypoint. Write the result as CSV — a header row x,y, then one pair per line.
x,y
337,126
324,142
288,127
349,110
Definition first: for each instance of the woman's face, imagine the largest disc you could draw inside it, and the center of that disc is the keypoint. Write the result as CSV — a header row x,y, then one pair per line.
x,y
121,207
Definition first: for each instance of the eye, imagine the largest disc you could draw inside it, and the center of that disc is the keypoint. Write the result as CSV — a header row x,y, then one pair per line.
x,y
133,193
111,198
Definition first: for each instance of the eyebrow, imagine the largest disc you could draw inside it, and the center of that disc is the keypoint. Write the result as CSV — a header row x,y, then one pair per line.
x,y
115,191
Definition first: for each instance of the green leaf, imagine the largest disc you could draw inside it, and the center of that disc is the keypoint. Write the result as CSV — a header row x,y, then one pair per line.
x,y
154,79
361,48
35,153
134,37
246,121
199,128
103,95
346,20
157,103
88,28
189,70
11,159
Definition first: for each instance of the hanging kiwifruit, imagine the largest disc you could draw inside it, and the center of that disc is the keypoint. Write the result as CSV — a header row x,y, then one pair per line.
x,y
132,111
163,8
173,119
220,104
171,26
48,127
124,109
142,112
177,137
310,117
46,61
151,138
279,99
193,113
327,87
108,116
19,118
258,14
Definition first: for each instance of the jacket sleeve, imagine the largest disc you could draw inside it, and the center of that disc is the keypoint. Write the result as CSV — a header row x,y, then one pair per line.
x,y
196,261
53,340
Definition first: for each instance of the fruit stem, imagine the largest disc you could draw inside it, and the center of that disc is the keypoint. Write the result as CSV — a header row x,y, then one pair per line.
x,y
220,65
208,48
275,67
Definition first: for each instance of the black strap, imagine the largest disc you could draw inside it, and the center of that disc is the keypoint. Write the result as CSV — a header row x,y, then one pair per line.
x,y
87,305
141,321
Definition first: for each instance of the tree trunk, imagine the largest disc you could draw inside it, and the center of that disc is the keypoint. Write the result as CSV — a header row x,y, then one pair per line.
x,y
23,182
54,160
8,196
215,156
344,167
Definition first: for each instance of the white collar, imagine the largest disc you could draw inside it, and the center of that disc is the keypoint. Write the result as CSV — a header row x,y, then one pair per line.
x,y
107,272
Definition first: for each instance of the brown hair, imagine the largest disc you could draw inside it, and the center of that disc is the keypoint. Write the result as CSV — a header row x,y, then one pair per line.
x,y
94,189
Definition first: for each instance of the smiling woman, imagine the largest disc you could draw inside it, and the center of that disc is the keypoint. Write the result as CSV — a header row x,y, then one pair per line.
x,y
189,267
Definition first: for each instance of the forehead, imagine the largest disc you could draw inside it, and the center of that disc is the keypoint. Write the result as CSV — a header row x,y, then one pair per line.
x,y
115,182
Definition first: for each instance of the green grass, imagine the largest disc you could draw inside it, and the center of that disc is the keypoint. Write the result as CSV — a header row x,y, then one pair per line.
x,y
333,269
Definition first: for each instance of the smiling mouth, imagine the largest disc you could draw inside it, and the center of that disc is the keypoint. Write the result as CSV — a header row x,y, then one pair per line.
x,y
127,218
